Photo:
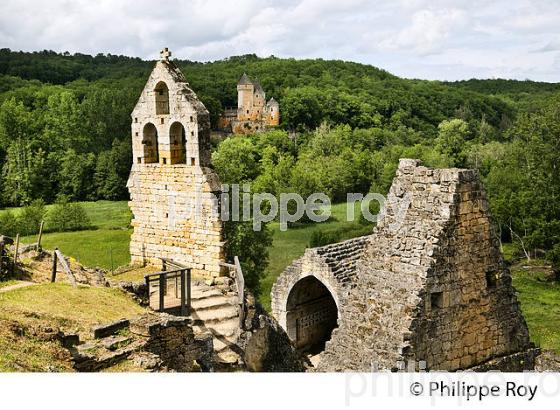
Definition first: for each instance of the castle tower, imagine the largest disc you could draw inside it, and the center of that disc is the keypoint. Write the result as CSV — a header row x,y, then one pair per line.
x,y
171,186
245,93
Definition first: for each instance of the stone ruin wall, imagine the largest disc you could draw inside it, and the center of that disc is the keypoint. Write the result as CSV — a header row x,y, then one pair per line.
x,y
335,267
174,214
433,289
421,292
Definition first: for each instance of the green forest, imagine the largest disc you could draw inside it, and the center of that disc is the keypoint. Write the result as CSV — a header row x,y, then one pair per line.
x,y
65,133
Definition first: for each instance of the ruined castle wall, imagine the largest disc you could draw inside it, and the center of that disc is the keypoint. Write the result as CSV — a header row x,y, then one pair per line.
x,y
470,313
420,292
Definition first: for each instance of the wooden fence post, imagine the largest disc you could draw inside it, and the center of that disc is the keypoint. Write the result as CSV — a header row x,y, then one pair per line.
x,y
188,291
15,255
53,275
40,236
1,257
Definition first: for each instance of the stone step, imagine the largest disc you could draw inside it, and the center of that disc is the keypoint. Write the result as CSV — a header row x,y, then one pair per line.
x,y
225,328
211,301
215,315
227,357
202,293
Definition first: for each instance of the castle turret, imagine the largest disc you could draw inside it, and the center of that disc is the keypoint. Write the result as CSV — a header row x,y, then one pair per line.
x,y
245,92
273,113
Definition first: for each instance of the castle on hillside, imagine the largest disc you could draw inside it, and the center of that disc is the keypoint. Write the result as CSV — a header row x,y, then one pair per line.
x,y
253,113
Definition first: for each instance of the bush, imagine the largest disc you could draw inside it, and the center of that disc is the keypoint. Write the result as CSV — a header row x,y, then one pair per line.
x,y
9,225
66,216
31,216
320,238
252,249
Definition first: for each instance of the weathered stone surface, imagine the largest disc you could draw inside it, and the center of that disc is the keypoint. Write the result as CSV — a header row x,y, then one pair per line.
x,y
430,287
266,346
109,328
156,342
171,184
516,362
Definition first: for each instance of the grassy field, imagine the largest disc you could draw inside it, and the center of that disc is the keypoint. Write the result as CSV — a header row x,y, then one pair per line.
x,y
540,302
105,246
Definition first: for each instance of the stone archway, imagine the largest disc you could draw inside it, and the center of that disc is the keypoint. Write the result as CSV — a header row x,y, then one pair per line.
x,y
311,314
150,144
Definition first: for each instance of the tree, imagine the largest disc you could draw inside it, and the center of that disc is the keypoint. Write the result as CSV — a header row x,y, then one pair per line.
x,y
451,139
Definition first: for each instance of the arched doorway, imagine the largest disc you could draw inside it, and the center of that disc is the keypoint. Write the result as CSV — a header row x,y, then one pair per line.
x,y
150,143
311,315
162,98
178,143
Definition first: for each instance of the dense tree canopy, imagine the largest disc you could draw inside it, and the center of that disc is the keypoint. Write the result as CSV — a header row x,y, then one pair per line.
x,y
65,132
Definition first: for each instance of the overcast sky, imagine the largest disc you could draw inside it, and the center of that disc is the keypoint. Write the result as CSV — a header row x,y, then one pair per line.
x,y
446,40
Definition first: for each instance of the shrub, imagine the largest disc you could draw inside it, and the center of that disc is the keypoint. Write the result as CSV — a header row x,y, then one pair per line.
x,y
8,224
31,216
320,238
67,216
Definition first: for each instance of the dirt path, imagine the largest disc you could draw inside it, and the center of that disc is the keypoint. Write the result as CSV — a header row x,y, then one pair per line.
x,y
17,286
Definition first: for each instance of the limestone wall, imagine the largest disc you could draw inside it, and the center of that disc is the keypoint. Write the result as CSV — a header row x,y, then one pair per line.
x,y
168,222
332,265
422,292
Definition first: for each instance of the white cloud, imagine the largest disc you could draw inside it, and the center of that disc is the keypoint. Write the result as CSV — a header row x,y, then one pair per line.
x,y
436,39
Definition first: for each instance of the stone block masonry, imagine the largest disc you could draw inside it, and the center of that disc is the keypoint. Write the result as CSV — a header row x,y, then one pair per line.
x,y
171,183
435,289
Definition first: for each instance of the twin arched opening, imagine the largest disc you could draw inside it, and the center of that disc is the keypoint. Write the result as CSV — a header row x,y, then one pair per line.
x,y
311,314
177,152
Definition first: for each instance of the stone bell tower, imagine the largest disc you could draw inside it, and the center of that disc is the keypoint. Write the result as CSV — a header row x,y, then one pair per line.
x,y
175,213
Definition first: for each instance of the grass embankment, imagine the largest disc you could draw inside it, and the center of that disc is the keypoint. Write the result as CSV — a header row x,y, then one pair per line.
x,y
29,315
540,302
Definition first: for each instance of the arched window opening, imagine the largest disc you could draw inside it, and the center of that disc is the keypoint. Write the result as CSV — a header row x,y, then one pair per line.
x,y
162,98
311,315
150,144
178,143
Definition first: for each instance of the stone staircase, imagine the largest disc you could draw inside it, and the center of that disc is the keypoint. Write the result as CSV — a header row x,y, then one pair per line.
x,y
215,310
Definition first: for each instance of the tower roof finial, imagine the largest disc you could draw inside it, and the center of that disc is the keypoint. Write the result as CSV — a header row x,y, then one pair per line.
x,y
165,54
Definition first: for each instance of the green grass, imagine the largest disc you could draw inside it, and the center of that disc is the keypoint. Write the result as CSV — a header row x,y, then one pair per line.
x,y
85,305
540,303
27,312
105,246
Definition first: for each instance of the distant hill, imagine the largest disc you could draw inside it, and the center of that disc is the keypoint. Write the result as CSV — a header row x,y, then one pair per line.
x,y
309,91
